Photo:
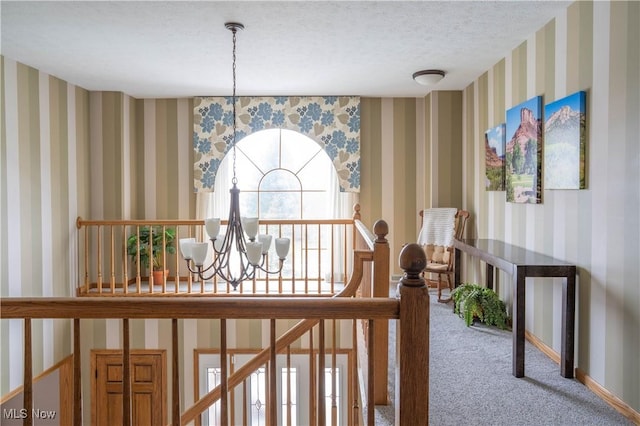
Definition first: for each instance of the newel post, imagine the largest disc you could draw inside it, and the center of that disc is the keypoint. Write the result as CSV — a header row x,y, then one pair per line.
x,y
381,274
412,347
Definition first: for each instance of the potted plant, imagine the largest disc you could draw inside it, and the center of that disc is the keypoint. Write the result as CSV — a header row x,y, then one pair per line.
x,y
149,244
473,302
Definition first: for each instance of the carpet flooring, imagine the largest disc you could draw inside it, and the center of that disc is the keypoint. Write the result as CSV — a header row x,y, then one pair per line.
x,y
470,381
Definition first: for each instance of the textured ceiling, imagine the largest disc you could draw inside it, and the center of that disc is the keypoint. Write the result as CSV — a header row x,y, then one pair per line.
x,y
181,48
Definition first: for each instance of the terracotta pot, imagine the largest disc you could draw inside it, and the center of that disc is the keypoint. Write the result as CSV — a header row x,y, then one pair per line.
x,y
157,276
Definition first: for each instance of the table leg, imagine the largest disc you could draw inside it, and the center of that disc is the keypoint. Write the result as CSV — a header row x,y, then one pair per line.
x,y
489,276
457,266
518,321
568,324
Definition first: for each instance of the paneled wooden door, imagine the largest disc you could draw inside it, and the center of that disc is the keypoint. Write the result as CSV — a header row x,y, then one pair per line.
x,y
148,387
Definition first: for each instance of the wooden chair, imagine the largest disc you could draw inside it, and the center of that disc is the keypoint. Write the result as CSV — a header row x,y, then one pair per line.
x,y
440,259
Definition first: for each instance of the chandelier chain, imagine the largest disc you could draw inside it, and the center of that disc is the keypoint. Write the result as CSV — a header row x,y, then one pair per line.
x,y
235,180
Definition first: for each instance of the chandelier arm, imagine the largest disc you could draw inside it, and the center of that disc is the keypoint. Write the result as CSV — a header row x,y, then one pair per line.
x,y
193,271
264,269
199,271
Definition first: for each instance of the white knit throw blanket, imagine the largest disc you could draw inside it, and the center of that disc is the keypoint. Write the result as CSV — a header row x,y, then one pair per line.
x,y
438,227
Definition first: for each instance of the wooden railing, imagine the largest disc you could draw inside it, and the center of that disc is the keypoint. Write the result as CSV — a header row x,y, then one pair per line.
x,y
411,310
318,262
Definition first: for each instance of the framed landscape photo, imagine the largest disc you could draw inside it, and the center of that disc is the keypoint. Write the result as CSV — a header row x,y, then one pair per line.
x,y
564,143
494,145
523,152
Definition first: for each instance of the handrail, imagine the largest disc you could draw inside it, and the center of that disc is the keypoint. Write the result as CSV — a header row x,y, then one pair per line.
x,y
367,236
201,308
200,222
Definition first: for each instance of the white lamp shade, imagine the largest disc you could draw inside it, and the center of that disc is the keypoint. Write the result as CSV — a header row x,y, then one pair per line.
x,y
199,253
212,226
282,247
265,240
185,247
254,251
428,77
250,226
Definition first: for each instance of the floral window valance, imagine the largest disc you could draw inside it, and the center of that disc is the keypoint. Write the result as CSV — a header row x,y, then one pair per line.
x,y
332,121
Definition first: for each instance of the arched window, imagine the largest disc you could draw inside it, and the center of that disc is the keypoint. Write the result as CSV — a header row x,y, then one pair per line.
x,y
282,174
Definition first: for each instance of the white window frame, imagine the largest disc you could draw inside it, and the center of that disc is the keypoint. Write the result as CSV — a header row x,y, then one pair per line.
x,y
299,361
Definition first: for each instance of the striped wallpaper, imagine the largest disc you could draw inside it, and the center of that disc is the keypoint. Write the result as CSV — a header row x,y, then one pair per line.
x,y
44,152
597,228
66,152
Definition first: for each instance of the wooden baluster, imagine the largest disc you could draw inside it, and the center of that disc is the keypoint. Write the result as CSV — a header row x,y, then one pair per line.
x,y
224,391
371,373
203,237
412,348
321,379
354,238
306,259
112,261
289,385
273,374
334,367
164,260
151,282
254,283
214,281
176,256
267,276
126,375
345,271
319,259
77,379
245,403
125,266
138,277
99,260
232,393
86,260
175,381
312,380
381,274
332,251
28,374
189,275
355,408
293,258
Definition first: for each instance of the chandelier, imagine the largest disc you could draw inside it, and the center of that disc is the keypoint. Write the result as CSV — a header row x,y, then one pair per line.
x,y
234,258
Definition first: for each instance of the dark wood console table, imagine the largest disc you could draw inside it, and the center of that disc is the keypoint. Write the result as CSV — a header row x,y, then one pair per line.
x,y
521,263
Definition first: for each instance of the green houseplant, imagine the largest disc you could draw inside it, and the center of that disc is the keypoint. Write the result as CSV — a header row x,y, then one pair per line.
x,y
472,302
149,245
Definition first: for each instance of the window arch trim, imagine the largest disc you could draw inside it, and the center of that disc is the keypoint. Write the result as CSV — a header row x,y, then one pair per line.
x,y
333,122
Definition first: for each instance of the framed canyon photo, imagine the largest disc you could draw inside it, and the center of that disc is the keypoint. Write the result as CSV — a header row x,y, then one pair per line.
x,y
564,143
523,152
494,142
